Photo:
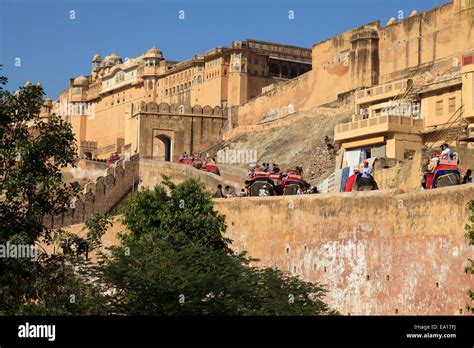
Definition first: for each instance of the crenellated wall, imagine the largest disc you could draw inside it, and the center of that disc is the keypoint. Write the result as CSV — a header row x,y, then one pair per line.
x,y
102,195
165,108
163,131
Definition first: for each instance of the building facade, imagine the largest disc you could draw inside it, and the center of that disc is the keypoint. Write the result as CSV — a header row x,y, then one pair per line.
x,y
395,119
99,106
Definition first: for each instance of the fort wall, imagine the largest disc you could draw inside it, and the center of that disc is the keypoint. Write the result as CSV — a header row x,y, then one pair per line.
x,y
276,102
279,121
369,55
151,171
101,195
379,252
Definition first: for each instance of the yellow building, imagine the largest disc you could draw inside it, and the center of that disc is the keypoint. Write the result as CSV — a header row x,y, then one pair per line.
x,y
395,119
99,106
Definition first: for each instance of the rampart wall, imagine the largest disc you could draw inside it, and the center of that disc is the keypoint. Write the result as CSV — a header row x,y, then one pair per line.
x,y
380,252
151,171
369,55
101,195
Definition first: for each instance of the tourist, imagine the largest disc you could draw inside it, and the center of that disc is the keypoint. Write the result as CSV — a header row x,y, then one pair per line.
x,y
275,169
218,193
229,192
446,152
467,177
367,171
351,180
265,167
242,193
434,161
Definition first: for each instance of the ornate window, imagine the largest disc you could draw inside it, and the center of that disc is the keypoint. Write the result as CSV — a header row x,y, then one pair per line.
x,y
119,77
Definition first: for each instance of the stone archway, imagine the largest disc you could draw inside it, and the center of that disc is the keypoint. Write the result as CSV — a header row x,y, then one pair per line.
x,y
162,148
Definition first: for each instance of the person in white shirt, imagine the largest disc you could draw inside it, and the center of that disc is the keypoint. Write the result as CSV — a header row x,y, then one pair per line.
x,y
366,171
445,151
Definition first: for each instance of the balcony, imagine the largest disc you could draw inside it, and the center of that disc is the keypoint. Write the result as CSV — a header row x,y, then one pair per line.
x,y
381,92
377,125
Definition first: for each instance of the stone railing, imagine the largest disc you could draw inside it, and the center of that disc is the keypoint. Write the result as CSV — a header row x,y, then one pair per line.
x,y
396,86
379,120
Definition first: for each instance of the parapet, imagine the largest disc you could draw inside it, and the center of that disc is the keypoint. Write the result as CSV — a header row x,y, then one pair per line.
x,y
177,109
102,195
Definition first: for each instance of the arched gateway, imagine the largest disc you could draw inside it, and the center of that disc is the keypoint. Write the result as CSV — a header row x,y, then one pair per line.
x,y
162,148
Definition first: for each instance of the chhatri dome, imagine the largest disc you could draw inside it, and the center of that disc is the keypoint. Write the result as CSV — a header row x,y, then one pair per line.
x,y
97,58
111,59
81,80
153,53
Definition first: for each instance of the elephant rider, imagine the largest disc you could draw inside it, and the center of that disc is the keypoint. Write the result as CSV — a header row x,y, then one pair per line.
x,y
434,161
275,169
446,152
367,171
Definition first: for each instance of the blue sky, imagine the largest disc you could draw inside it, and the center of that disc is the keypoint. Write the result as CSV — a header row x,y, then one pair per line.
x,y
52,47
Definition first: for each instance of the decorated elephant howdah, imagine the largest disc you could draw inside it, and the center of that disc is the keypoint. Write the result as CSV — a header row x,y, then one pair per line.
x,y
264,183
200,163
441,172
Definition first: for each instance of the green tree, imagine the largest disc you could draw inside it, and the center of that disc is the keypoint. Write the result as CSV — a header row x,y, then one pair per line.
x,y
470,235
32,152
176,261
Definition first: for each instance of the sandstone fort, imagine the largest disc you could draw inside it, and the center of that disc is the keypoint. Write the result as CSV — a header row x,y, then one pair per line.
x,y
385,93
